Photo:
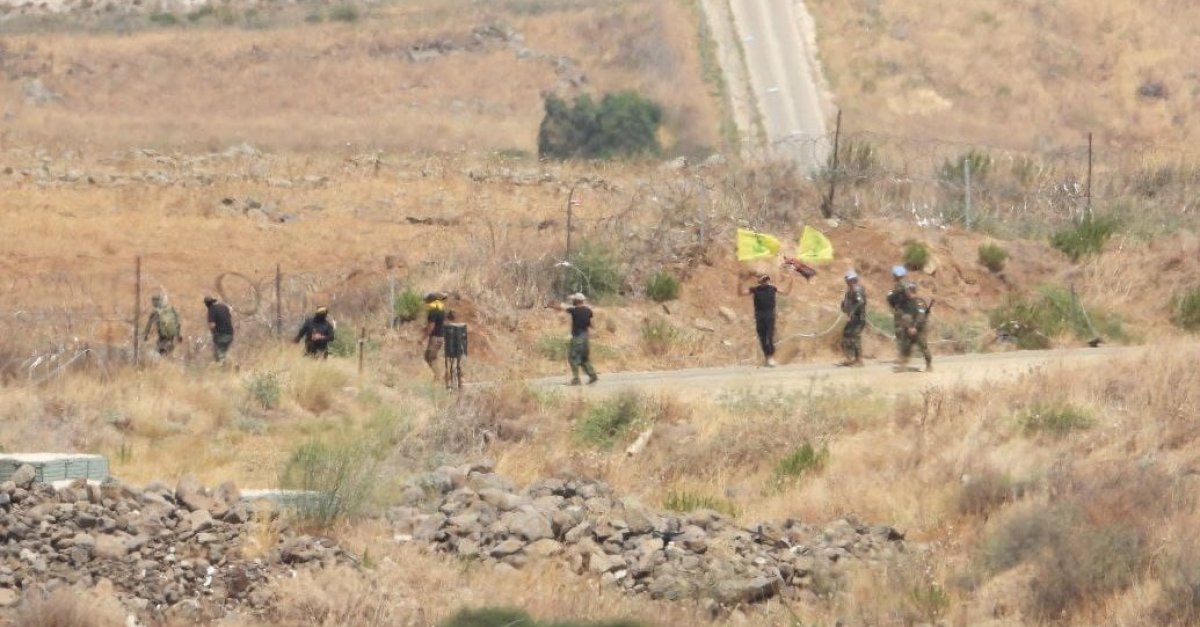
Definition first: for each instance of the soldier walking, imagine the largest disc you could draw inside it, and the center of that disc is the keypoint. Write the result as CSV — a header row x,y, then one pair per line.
x,y
895,300
433,337
854,305
164,321
579,351
914,320
220,324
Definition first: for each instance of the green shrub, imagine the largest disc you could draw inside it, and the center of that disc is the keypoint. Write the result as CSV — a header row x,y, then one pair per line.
x,y
408,306
338,478
662,287
1057,420
686,501
1033,321
992,256
658,336
344,13
1186,310
952,172
604,424
799,461
264,389
1086,238
916,255
164,19
345,344
624,124
594,271
929,602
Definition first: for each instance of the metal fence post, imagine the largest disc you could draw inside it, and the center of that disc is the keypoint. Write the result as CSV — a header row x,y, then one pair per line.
x,y
137,310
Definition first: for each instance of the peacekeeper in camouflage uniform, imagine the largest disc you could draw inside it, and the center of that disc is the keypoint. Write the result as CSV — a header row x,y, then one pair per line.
x,y
895,300
913,320
164,322
854,305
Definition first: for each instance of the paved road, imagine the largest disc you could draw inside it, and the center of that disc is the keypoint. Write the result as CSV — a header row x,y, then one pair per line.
x,y
781,69
971,370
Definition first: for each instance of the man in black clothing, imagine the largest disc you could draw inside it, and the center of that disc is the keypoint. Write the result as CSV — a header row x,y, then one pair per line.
x,y
317,332
435,320
764,313
220,323
578,352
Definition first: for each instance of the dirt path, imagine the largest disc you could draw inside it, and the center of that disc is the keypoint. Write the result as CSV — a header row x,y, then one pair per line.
x,y
952,370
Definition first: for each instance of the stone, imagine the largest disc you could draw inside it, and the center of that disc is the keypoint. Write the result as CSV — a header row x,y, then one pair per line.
x,y
9,597
740,590
727,314
84,541
109,547
200,520
544,548
192,495
530,525
701,324
603,563
23,477
506,548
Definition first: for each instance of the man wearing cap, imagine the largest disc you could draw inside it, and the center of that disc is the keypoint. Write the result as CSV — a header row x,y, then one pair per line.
x,y
220,324
433,337
854,305
317,332
913,319
895,300
578,353
764,294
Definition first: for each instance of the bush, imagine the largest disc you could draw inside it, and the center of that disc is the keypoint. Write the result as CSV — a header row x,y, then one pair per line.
x,y
200,13
1086,238
987,490
992,256
1186,310
916,255
594,271
952,172
685,501
662,287
608,422
1057,420
799,461
264,388
408,306
344,13
164,19
339,476
67,607
624,124
1032,322
658,336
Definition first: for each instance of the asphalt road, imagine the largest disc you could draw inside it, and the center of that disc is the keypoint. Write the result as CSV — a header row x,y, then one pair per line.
x,y
781,73
952,370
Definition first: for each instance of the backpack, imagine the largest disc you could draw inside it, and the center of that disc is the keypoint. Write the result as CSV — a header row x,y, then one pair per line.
x,y
168,323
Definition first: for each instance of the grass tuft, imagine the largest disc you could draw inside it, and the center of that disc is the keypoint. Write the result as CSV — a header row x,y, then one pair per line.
x,y
1057,420
992,256
607,423
688,501
916,255
1086,238
662,287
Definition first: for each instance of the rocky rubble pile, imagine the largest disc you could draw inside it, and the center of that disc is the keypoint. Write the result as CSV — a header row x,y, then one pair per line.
x,y
471,512
164,553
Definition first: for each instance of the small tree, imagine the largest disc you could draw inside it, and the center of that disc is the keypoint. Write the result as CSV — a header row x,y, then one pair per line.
x,y
623,124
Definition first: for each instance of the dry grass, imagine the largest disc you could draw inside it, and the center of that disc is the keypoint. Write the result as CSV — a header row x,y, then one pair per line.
x,y
1024,73
300,86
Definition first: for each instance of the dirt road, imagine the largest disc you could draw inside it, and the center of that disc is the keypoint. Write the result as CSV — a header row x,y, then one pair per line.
x,y
972,370
782,71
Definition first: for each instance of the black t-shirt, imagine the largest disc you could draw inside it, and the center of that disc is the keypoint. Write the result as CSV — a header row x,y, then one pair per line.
x,y
581,319
438,318
221,318
764,299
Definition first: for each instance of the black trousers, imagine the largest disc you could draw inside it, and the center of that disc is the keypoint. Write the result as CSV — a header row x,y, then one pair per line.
x,y
765,327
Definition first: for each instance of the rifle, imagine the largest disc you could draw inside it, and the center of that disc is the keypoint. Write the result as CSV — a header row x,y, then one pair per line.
x,y
805,270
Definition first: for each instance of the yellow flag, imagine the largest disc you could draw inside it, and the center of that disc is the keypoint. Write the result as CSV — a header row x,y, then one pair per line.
x,y
814,247
751,245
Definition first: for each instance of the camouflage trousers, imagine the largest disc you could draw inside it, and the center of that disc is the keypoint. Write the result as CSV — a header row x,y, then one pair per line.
x,y
221,343
907,343
165,346
578,355
852,339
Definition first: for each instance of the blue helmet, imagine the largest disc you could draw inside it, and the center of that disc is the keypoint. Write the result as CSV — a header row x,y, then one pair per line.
x,y
899,271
